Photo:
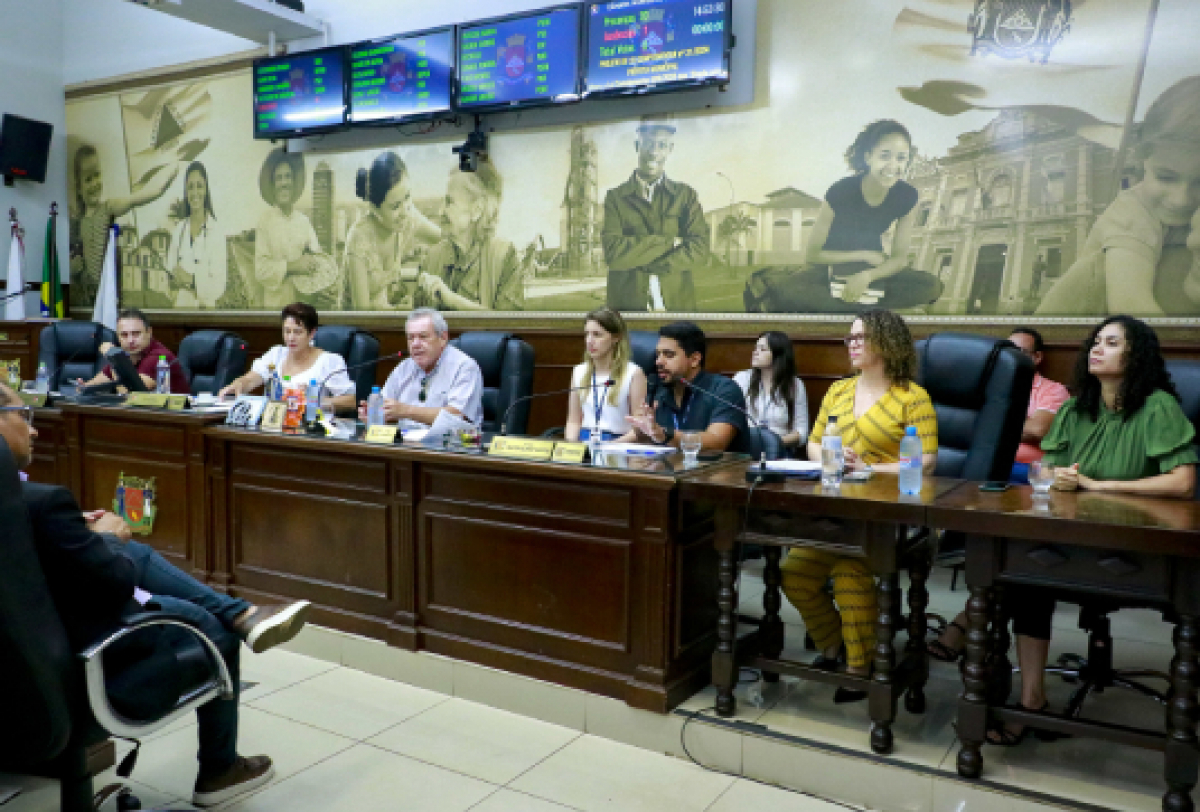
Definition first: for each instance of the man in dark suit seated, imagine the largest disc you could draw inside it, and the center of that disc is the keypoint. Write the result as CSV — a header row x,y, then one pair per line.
x,y
96,574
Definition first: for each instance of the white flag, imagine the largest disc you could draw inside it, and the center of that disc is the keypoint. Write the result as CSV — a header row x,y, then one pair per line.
x,y
106,298
14,305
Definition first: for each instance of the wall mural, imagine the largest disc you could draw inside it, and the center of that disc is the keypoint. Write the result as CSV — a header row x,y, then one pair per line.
x,y
940,157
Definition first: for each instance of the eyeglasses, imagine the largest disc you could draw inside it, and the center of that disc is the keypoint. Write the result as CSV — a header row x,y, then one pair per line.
x,y
855,338
424,387
26,412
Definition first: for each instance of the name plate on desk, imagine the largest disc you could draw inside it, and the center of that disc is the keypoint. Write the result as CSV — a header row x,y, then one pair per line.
x,y
177,403
34,398
569,452
383,435
146,400
521,448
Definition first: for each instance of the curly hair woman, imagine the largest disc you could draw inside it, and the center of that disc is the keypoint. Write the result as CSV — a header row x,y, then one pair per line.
x,y
1123,432
871,410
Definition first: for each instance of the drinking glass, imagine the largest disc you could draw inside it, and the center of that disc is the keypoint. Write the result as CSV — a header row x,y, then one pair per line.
x,y
1041,477
690,443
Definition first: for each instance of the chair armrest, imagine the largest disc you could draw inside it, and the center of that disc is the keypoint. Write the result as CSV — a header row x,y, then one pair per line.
x,y
556,433
220,686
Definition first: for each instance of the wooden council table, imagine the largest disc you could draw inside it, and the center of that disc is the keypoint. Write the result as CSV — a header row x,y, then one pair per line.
x,y
1140,549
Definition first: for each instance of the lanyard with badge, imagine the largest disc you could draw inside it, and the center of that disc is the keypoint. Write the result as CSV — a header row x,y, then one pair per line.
x,y
597,401
687,407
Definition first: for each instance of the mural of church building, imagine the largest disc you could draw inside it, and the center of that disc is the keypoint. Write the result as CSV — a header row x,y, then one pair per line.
x,y
773,232
1007,211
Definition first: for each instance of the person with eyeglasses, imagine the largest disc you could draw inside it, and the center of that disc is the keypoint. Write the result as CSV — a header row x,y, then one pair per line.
x,y
873,408
97,574
1045,399
435,376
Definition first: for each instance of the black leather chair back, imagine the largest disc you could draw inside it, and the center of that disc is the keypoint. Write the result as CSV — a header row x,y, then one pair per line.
x,y
71,349
507,366
980,388
1186,375
38,674
643,344
211,360
356,346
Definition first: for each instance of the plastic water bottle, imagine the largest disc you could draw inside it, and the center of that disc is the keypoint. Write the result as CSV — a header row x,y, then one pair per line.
x,y
274,385
833,457
375,407
910,463
42,383
311,402
162,376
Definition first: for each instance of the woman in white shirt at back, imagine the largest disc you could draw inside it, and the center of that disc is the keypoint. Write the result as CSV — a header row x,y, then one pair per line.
x,y
299,359
774,395
607,356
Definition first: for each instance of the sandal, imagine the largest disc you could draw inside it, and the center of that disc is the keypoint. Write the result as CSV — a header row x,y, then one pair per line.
x,y
942,652
830,663
1006,738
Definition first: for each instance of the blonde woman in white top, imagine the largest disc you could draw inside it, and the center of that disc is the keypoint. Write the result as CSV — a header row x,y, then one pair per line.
x,y
607,356
298,359
774,395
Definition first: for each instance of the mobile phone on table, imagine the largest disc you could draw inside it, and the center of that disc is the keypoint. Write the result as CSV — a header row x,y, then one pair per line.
x,y
994,486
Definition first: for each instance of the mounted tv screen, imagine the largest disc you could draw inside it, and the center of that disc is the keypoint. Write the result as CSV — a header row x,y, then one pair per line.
x,y
298,94
24,148
643,46
404,78
519,61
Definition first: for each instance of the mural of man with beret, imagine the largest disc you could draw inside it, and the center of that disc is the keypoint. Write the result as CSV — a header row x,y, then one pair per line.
x,y
654,230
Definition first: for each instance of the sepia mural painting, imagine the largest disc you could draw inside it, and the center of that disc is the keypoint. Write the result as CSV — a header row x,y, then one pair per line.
x,y
939,157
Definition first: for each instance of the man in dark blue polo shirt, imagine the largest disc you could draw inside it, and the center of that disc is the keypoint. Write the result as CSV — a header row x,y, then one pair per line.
x,y
681,401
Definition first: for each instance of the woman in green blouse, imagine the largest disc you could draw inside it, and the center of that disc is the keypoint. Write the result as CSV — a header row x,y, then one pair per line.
x,y
1123,432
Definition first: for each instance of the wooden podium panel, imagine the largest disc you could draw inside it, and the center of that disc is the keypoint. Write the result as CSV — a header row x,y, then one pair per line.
x,y
590,578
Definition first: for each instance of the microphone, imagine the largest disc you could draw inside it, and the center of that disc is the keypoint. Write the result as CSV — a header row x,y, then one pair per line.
x,y
321,389
511,406
759,474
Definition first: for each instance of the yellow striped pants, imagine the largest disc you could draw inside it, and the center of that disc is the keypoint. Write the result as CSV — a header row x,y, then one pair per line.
x,y
805,572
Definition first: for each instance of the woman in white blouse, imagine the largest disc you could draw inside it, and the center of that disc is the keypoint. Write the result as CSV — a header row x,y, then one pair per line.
x,y
198,257
607,356
774,395
299,359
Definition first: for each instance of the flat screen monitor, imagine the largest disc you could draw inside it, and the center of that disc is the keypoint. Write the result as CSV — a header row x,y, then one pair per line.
x,y
301,93
644,46
404,78
520,61
24,148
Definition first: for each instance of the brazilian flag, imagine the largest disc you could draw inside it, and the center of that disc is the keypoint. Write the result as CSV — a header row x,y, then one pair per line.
x,y
52,304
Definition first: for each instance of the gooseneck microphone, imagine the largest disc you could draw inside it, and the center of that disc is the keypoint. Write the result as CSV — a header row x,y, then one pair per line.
x,y
396,356
761,473
511,406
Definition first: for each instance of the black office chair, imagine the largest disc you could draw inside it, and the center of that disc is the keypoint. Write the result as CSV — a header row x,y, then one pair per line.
x,y
60,708
356,346
643,345
1094,671
980,388
211,360
507,366
71,350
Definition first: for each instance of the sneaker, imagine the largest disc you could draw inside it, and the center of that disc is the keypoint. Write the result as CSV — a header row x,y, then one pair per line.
x,y
245,775
264,627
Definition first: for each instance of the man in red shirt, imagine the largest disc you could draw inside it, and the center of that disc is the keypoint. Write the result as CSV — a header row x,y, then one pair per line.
x,y
138,341
1045,399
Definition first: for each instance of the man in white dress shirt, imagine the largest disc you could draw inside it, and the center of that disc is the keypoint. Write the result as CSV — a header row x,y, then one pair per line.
x,y
435,376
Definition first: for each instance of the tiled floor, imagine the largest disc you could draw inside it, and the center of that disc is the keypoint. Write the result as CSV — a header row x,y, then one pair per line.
x,y
355,725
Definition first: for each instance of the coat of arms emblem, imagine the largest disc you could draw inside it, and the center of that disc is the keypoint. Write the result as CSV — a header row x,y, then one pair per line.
x,y
656,31
513,57
135,503
395,72
1018,28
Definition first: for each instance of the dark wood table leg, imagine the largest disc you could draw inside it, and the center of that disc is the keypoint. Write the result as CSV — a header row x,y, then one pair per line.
x,y
724,663
972,704
771,630
918,601
883,691
1180,760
